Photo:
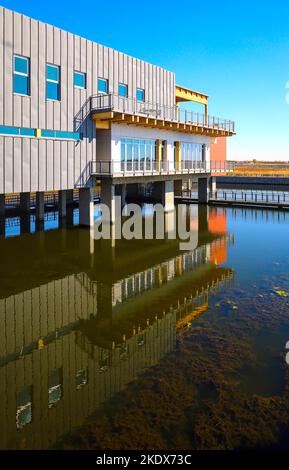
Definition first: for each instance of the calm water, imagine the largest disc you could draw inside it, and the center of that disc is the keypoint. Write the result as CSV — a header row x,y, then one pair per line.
x,y
136,345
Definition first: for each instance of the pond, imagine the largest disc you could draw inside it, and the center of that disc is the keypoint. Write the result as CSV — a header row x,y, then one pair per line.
x,y
138,345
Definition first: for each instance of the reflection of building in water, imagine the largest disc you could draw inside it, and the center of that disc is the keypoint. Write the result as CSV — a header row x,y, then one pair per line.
x,y
71,344
49,382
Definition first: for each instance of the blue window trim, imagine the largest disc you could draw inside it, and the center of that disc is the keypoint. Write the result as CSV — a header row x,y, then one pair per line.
x,y
62,135
9,130
13,131
83,76
56,82
21,74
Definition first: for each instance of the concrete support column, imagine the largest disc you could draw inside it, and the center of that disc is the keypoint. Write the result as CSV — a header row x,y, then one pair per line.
x,y
2,227
120,190
86,207
39,206
62,203
108,194
2,215
2,205
25,222
132,190
69,197
178,187
123,195
24,202
203,218
163,191
203,190
169,196
213,184
69,204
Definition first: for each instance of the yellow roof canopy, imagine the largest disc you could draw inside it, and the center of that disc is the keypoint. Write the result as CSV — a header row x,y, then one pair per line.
x,y
185,94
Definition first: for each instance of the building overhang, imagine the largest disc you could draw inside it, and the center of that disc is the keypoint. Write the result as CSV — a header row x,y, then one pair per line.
x,y
103,120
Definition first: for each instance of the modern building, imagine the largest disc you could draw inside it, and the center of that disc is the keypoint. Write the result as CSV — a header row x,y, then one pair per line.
x,y
74,112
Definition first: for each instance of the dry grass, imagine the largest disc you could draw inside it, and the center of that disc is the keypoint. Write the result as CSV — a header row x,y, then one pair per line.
x,y
243,171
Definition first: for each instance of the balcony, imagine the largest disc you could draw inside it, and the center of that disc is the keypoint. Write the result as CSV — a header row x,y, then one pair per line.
x,y
112,169
105,108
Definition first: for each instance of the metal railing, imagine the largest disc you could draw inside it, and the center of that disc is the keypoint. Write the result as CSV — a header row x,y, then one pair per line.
x,y
251,196
113,102
142,168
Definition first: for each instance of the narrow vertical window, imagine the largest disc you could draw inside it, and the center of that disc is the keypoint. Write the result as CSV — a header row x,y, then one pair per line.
x,y
140,94
52,82
24,407
80,80
122,90
81,378
21,75
55,382
102,85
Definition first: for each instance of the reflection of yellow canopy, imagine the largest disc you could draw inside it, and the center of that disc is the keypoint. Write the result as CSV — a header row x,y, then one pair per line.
x,y
192,315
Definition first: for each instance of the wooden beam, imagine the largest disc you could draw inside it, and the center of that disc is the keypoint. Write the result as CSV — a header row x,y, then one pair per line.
x,y
102,124
102,115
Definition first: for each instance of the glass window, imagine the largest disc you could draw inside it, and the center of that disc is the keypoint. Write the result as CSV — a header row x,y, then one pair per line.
x,y
191,152
81,378
80,80
52,82
102,85
123,90
55,387
21,75
140,94
137,149
24,407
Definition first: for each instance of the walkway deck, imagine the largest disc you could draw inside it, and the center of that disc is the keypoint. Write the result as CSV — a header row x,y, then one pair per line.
x,y
248,198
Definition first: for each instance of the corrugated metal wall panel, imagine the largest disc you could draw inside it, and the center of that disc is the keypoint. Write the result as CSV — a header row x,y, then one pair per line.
x,y
35,170
26,165
2,62
29,164
42,165
8,165
17,163
35,77
1,165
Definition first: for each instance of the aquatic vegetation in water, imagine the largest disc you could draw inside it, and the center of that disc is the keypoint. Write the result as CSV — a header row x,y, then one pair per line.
x,y
225,387
282,293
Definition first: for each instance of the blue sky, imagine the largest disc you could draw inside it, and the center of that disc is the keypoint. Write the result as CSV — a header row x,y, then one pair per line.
x,y
236,52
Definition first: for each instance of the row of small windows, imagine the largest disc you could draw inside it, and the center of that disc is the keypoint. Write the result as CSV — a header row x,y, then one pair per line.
x,y
21,81
39,133
24,397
